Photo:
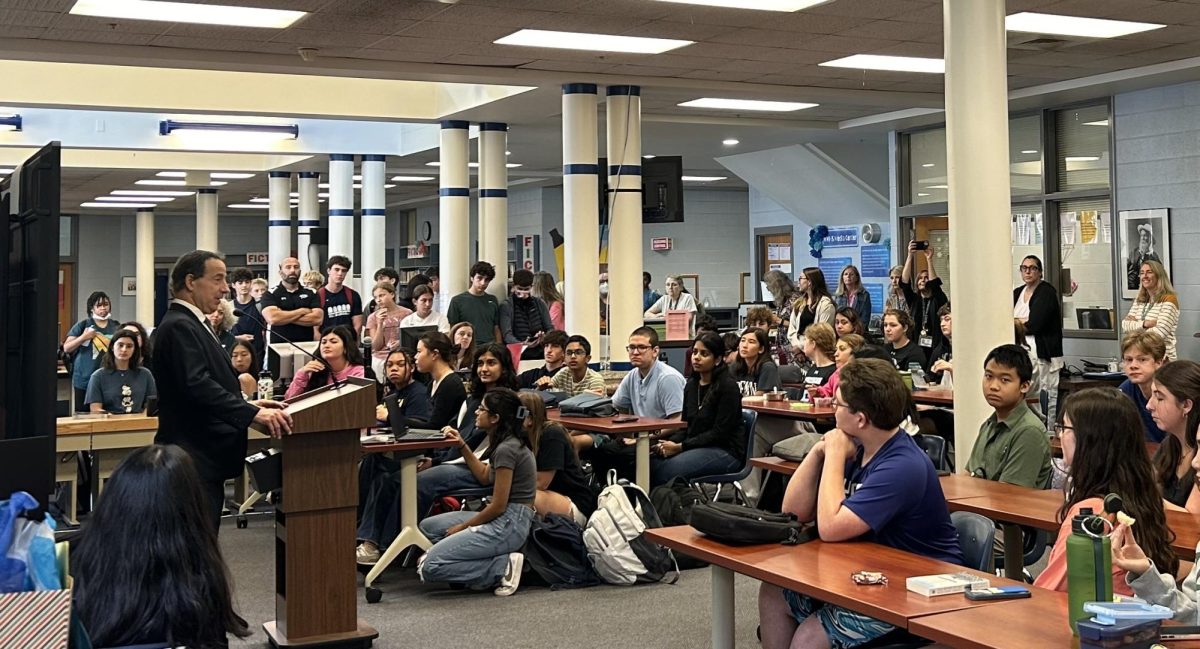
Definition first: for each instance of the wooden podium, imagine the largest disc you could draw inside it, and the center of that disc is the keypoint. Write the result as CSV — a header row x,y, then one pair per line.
x,y
315,574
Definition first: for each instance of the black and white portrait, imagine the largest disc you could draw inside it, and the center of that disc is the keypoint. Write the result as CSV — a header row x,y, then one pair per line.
x,y
1145,236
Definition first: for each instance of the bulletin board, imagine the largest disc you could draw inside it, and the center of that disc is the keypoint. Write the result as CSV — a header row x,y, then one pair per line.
x,y
866,246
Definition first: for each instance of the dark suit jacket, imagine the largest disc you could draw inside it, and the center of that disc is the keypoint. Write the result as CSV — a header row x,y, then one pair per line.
x,y
200,407
1045,320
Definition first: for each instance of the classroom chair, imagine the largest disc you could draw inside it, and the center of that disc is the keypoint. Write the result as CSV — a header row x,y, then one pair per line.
x,y
976,536
749,419
935,448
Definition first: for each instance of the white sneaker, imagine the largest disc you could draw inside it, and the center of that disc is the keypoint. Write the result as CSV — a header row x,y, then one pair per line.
x,y
421,567
366,554
512,577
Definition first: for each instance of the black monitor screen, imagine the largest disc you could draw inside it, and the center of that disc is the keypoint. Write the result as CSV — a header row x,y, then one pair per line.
x,y
410,335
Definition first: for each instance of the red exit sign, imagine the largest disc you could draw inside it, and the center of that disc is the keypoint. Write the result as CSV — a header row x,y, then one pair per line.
x,y
660,244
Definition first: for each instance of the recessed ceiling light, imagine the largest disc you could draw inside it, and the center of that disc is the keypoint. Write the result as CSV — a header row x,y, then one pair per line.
x,y
922,194
508,153
175,183
388,186
703,179
1082,158
249,206
731,141
1029,151
648,156
149,192
893,63
938,187
763,5
5,172
117,205
140,199
1099,122
928,164
591,42
746,104
411,179
1036,23
187,12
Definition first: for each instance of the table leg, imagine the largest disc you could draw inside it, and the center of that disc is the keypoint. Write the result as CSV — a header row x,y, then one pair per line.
x,y
722,608
1014,555
643,461
410,534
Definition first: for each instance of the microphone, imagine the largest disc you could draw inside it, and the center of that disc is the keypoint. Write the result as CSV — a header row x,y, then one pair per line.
x,y
337,384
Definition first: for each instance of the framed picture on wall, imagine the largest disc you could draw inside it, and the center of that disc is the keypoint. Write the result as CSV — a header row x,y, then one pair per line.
x,y
128,286
1145,236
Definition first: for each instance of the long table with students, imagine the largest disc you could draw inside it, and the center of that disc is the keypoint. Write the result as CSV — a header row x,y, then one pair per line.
x,y
621,426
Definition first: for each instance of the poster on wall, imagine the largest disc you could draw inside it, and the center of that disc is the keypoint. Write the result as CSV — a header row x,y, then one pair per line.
x,y
832,268
866,246
876,260
1145,236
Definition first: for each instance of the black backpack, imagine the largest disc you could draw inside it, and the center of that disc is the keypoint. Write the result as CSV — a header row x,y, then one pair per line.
x,y
556,554
737,524
674,502
587,405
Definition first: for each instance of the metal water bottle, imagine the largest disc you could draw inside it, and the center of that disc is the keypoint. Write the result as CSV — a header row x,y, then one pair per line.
x,y
1089,565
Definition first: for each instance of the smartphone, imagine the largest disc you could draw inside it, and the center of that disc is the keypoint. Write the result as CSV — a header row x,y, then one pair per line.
x,y
622,419
1180,632
999,592
921,245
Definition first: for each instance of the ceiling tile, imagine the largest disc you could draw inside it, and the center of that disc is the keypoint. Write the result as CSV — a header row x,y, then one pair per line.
x,y
488,61
869,8
458,31
359,23
680,61
644,71
931,15
7,31
636,9
38,5
671,29
461,14
809,23
569,66
21,18
94,23
845,45
408,56
763,37
96,36
439,45
721,75
198,43
408,10
893,29
1168,34
731,51
928,50
324,38
541,5
565,22
761,67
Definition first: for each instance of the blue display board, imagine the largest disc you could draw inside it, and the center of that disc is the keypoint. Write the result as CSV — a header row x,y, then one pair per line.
x,y
876,260
876,293
846,237
832,267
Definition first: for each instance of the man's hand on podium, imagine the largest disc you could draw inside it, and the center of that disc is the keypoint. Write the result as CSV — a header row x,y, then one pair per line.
x,y
273,417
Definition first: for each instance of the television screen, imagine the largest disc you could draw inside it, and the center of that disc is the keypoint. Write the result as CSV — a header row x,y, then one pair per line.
x,y
662,190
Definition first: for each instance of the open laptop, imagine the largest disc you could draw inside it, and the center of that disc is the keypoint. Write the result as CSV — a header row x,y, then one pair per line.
x,y
400,428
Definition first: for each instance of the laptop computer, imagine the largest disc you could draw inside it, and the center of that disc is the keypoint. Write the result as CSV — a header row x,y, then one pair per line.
x,y
400,428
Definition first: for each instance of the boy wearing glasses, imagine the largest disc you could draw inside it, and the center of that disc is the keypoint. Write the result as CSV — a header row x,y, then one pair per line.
x,y
1012,446
577,378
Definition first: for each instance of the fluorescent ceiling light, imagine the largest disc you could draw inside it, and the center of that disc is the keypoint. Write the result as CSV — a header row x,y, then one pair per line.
x,y
763,5
219,175
411,179
140,199
175,183
250,206
922,194
591,42
893,63
938,187
117,205
187,12
731,141
5,172
1082,158
474,165
1036,23
746,104
1030,151
1099,122
928,164
648,156
703,179
293,201
148,192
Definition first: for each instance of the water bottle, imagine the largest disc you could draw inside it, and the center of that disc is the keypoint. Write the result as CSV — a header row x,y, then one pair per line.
x,y
918,375
1089,565
266,386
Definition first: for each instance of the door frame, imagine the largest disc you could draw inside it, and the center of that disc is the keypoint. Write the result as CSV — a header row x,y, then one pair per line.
x,y
756,250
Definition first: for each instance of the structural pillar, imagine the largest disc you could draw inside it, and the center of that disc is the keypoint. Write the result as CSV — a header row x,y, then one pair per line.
x,y
341,206
624,199
374,220
279,221
454,209
979,198
309,215
206,219
493,203
144,268
581,216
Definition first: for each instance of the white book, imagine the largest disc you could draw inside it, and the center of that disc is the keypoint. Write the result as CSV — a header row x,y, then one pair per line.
x,y
947,584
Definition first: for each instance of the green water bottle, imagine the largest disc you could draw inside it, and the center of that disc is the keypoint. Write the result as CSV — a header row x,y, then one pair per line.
x,y
1089,565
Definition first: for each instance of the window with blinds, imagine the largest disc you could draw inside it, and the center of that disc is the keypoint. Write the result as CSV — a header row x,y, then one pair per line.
x,y
1083,156
1086,242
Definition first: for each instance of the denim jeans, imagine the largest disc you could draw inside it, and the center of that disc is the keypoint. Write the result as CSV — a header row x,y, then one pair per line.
x,y
477,556
692,463
379,521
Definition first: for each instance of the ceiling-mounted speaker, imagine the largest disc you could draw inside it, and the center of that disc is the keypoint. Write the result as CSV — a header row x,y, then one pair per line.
x,y
871,233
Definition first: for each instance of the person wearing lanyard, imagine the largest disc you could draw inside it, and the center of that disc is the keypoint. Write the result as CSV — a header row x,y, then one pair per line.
x,y
1156,308
926,300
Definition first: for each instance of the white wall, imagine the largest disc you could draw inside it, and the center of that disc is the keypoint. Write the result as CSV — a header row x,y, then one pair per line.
x,y
711,241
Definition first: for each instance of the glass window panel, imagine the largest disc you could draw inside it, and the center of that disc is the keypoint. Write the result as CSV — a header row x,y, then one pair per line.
x,y
1028,237
1083,152
1025,155
64,236
927,167
1086,244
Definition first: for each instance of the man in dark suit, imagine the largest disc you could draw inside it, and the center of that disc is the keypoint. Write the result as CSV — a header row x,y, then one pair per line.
x,y
200,404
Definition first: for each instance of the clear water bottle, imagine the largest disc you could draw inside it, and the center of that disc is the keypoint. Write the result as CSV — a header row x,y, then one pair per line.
x,y
266,386
918,375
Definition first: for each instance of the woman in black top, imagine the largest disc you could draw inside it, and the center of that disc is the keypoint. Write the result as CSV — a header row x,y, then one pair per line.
x,y
435,355
1036,305
896,327
562,488
753,368
713,442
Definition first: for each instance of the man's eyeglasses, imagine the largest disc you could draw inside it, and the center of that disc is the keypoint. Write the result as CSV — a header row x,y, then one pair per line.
x,y
575,352
1030,269
638,349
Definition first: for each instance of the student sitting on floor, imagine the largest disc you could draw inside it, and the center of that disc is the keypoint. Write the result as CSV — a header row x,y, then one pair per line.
x,y
554,343
1175,406
412,396
897,326
482,549
1012,445
148,568
865,480
1105,448
562,488
1143,353
820,346
753,369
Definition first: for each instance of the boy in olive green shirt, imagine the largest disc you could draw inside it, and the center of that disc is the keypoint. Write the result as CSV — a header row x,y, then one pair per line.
x,y
1012,446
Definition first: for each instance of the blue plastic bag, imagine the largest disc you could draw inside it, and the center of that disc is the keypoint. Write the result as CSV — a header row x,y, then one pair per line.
x,y
28,561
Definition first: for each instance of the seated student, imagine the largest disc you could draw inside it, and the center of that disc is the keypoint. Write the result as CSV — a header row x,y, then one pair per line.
x,y
463,335
562,488
1173,404
1143,353
245,363
434,358
732,341
753,369
820,345
412,396
481,549
577,378
846,321
707,323
760,317
1012,445
847,346
423,315
553,344
866,480
1102,430
941,359
121,386
342,355
896,327
161,581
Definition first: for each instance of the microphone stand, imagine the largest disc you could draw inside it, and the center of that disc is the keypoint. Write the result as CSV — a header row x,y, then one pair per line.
x,y
337,384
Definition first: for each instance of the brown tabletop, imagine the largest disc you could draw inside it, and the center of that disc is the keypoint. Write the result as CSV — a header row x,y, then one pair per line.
x,y
785,409
606,425
1040,621
110,424
1056,447
776,464
959,486
400,447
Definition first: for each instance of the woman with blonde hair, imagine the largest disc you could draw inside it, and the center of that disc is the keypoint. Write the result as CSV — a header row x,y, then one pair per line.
x,y
851,293
543,287
1156,308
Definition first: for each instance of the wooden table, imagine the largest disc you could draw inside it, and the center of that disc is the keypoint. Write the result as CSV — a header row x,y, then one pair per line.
x,y
1040,621
784,409
775,464
639,426
1056,447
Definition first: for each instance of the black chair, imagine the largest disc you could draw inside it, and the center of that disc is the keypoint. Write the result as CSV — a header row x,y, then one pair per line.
x,y
976,537
935,448
749,419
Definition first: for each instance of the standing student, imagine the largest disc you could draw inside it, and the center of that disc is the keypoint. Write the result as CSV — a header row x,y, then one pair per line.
x,y
424,315
904,351
820,344
383,325
852,294
1101,431
813,305
435,282
122,385
562,488
1156,308
675,299
481,549
385,274
342,304
292,310
312,280
342,360
1174,401
251,326
1142,353
545,290
1036,306
524,319
783,293
199,397
477,306
554,343
753,370
865,480
1012,445
87,343
926,300
846,321
405,297
412,397
649,295
463,335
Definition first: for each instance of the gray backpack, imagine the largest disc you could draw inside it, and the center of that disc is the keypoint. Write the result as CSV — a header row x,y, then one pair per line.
x,y
587,405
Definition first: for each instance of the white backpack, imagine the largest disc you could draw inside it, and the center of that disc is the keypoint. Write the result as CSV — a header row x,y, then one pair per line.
x,y
614,541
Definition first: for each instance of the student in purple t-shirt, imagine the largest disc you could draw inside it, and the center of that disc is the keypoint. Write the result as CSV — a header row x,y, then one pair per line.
x,y
866,480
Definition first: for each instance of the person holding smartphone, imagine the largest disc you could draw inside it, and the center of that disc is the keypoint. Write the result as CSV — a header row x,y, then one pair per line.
x,y
524,319
928,298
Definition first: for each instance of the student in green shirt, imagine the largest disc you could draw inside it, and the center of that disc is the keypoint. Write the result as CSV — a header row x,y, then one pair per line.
x,y
478,307
1012,446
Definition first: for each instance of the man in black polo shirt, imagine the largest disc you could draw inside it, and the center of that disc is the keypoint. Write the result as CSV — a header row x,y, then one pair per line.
x,y
292,310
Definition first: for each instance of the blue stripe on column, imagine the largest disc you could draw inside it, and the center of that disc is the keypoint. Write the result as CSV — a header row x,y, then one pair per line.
x,y
308,224
493,126
572,169
632,91
579,89
454,191
624,170
279,174
373,211
279,223
455,123
341,157
341,212
374,158
206,190
309,174
493,193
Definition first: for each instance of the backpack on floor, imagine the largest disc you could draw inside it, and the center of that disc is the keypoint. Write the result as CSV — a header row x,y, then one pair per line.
x,y
555,552
673,502
616,547
741,525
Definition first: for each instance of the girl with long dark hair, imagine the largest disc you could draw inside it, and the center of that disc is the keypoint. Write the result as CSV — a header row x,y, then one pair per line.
x,y
1105,449
813,305
562,488
339,348
121,385
481,549
148,568
846,322
1175,406
244,361
753,370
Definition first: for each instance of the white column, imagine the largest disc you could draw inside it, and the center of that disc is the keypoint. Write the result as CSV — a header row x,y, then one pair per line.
x,y
977,166
624,111
581,218
206,219
341,206
493,203
374,220
454,209
144,265
309,213
279,221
